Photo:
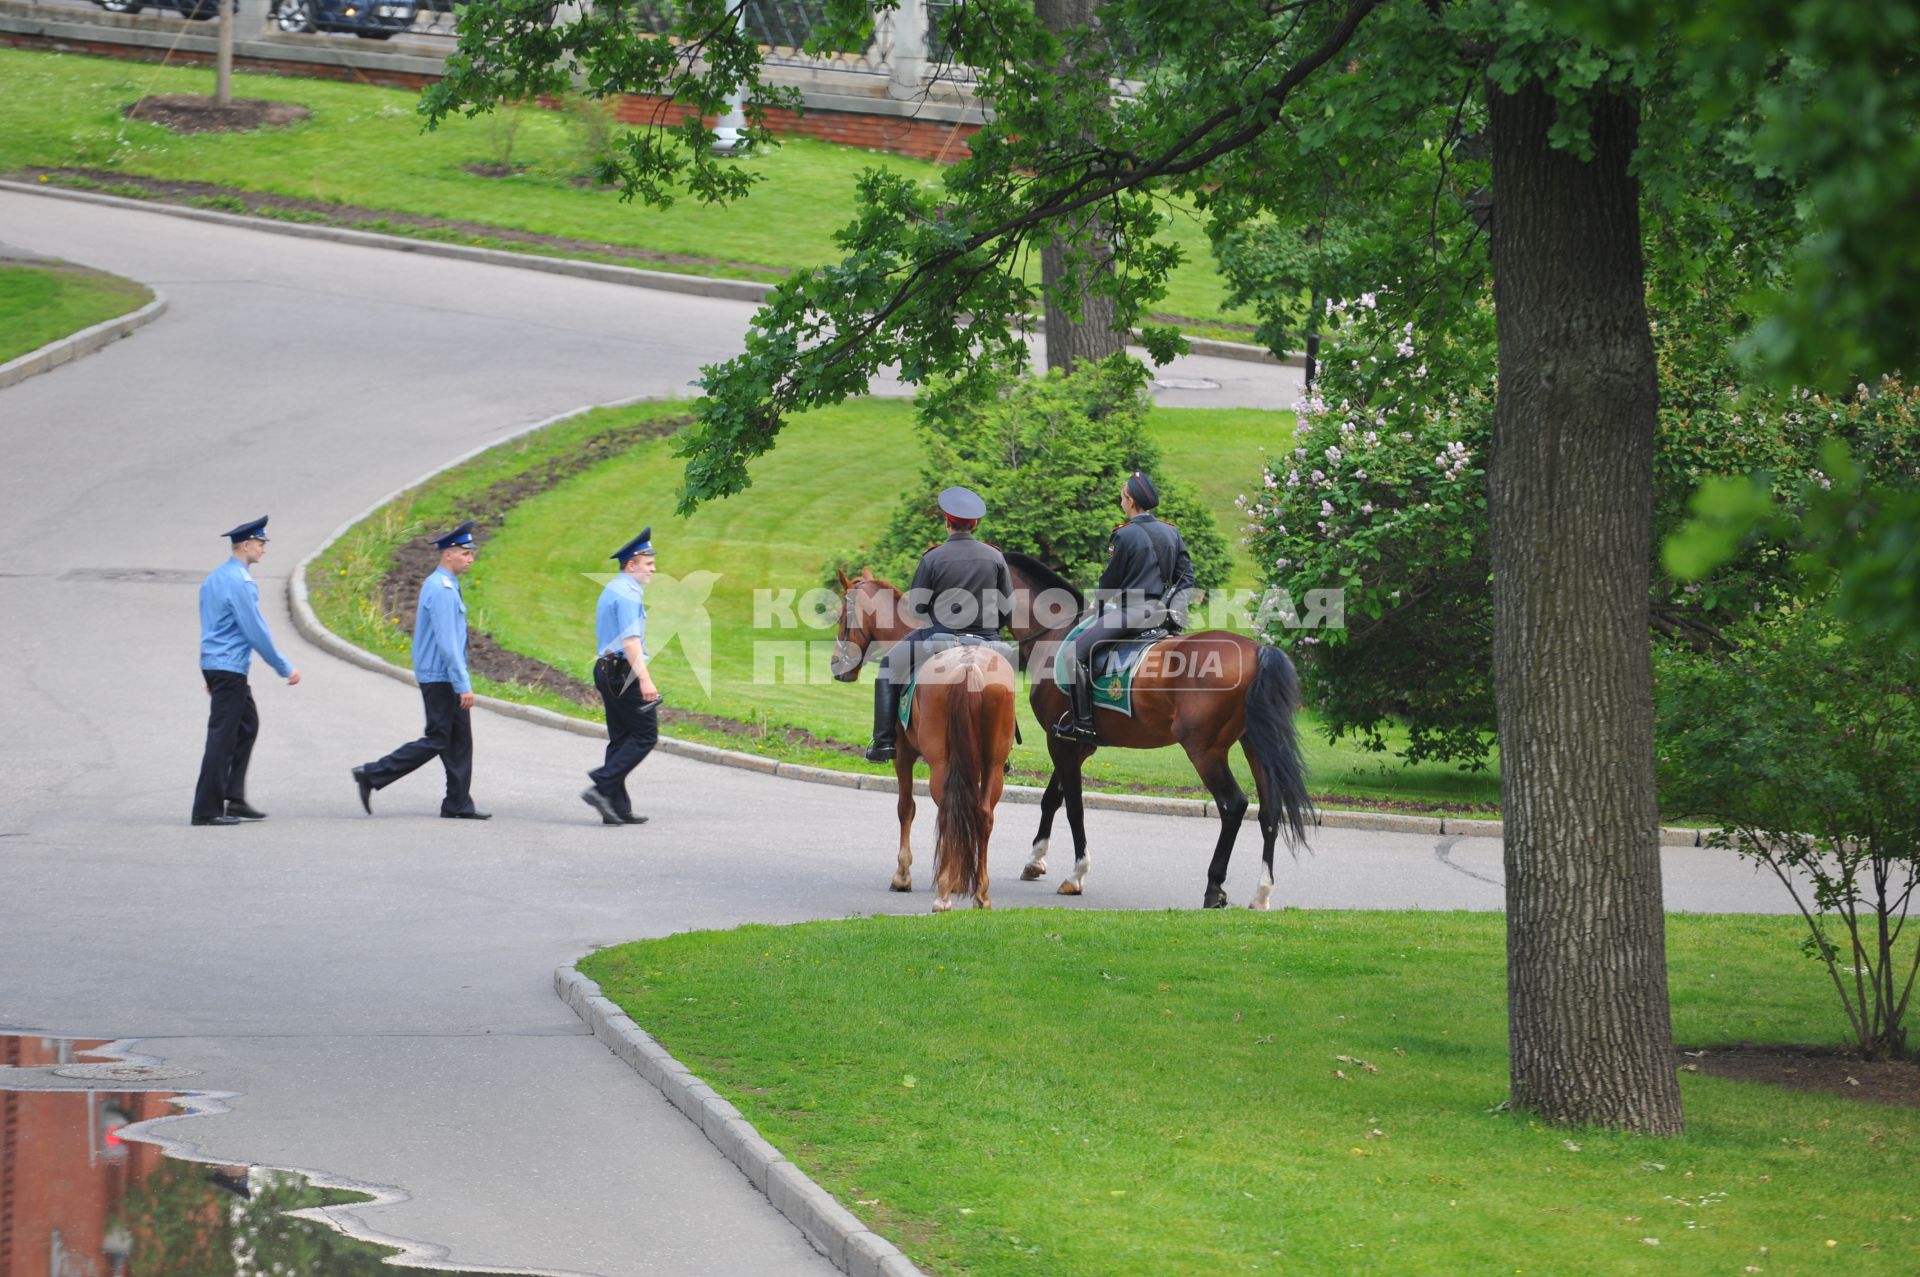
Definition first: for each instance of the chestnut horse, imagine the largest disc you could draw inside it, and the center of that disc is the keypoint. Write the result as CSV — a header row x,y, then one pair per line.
x,y
1203,692
962,723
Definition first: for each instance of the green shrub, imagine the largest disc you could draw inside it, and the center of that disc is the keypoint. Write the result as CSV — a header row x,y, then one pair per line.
x,y
1049,456
1805,746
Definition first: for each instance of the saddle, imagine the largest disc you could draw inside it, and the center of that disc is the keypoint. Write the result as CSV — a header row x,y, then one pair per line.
x,y
940,643
1122,655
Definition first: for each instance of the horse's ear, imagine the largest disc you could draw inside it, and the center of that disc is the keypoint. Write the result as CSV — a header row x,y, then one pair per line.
x,y
845,584
866,574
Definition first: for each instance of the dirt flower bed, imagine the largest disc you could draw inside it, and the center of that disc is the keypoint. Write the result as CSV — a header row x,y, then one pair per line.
x,y
1810,1068
193,113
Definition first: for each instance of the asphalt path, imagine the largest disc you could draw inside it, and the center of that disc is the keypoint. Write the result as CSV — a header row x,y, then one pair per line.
x,y
375,994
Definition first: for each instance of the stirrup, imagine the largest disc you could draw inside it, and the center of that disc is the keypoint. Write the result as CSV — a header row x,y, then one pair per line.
x,y
1069,728
880,753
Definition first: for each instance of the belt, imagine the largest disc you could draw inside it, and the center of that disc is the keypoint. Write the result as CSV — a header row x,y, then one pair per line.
x,y
615,657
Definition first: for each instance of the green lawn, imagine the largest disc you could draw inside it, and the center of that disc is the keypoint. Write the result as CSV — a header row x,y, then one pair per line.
x,y
1109,1094
827,489
364,147
44,302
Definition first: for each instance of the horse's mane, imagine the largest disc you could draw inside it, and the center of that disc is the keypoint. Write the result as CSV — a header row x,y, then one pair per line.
x,y
1044,577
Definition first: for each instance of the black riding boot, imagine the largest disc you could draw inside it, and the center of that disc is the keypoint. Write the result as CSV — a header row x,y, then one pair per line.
x,y
886,719
1077,722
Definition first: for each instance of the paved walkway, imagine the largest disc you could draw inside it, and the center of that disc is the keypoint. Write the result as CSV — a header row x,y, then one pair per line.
x,y
377,993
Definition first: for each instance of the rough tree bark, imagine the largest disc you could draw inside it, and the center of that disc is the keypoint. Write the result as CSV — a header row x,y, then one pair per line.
x,y
1571,498
1084,331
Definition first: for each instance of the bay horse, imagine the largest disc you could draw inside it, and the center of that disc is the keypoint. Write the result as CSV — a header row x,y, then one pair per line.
x,y
962,723
1203,692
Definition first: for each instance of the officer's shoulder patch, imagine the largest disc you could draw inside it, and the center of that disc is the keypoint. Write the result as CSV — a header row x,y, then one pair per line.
x,y
446,582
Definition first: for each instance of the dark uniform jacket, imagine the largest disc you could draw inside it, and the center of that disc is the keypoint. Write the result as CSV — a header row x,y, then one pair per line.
x,y
1148,571
962,586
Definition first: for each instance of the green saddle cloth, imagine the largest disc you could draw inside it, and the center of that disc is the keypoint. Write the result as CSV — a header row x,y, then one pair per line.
x,y
1112,690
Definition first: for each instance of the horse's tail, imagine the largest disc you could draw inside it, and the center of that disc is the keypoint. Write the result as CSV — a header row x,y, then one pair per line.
x,y
960,828
1272,698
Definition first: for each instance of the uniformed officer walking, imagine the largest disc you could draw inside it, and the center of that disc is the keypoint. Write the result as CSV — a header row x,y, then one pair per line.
x,y
626,688
231,631
962,586
440,667
1146,584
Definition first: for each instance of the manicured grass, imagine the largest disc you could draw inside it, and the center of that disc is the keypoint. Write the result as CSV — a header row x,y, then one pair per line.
x,y
364,147
43,303
1061,1093
827,489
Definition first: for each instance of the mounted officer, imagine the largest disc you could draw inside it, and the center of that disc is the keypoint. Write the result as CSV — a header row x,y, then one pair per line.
x,y
961,587
1145,586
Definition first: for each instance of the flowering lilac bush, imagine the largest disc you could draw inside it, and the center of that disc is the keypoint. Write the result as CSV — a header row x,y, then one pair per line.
x,y
1384,495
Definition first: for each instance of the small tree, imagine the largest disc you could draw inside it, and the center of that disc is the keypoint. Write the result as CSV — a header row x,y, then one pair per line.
x,y
1048,454
1805,746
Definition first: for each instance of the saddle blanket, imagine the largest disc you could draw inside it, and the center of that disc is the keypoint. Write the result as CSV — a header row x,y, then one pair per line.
x,y
1114,665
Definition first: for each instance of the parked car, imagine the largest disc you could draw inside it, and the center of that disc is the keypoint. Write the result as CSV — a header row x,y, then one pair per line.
x,y
368,19
199,9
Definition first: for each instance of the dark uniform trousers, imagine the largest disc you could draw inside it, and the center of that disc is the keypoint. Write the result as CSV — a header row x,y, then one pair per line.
x,y
232,725
632,729
449,738
1111,627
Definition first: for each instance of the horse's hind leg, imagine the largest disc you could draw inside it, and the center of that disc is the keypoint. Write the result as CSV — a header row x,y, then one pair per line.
x,y
1269,829
1217,773
980,898
1036,866
903,774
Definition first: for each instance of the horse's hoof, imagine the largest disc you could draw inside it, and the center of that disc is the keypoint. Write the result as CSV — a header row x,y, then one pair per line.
x,y
1030,872
1215,900
1260,906
942,906
1069,888
897,885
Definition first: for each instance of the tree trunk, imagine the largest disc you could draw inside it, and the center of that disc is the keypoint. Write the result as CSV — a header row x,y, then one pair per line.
x,y
223,55
1090,334
1571,498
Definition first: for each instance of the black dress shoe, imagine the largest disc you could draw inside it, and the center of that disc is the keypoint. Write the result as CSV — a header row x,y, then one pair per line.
x,y
218,820
601,803
245,812
366,789
466,815
629,818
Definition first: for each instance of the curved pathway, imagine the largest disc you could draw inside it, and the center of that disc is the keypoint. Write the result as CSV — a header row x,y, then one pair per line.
x,y
377,993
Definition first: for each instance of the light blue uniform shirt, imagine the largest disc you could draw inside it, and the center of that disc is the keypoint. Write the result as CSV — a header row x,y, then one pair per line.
x,y
440,633
231,628
622,615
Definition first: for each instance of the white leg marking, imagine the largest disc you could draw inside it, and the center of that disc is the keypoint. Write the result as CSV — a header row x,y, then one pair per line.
x,y
1265,894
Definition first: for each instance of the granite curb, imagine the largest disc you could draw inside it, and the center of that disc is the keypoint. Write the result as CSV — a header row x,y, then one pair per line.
x,y
84,342
602,272
310,628
829,1227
